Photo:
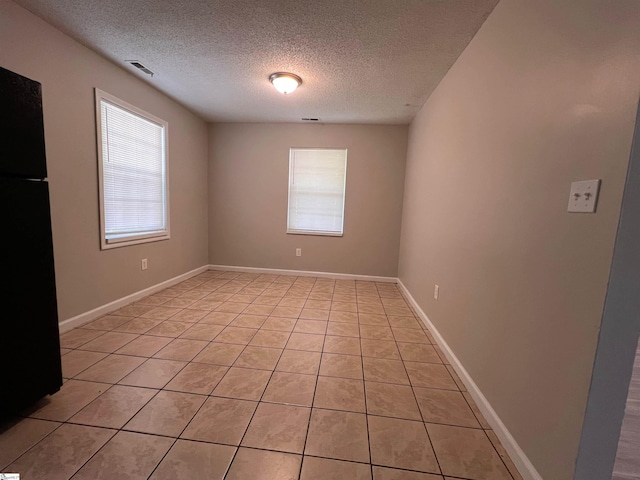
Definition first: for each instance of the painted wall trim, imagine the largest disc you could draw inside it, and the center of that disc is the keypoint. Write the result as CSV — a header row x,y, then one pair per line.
x,y
86,317
520,459
305,273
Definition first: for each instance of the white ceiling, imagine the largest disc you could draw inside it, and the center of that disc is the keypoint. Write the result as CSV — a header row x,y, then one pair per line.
x,y
361,61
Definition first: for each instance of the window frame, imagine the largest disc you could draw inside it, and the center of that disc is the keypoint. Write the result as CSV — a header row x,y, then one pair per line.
x,y
117,241
320,233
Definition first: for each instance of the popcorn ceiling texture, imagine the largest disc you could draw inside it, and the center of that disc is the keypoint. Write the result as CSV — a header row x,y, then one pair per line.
x,y
361,61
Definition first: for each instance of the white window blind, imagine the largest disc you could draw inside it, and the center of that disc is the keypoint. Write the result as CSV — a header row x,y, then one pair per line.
x,y
134,173
317,179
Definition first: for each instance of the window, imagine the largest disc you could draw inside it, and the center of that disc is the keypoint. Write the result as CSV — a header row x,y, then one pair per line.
x,y
132,170
317,179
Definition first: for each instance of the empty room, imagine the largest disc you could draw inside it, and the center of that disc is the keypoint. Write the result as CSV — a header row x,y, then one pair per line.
x,y
282,240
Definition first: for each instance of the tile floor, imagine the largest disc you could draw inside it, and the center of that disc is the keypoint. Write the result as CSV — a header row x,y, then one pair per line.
x,y
246,376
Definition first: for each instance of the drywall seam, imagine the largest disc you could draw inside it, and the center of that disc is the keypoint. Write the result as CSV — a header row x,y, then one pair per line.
x,y
520,459
85,317
305,273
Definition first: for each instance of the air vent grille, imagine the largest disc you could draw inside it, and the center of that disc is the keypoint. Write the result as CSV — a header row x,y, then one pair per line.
x,y
140,67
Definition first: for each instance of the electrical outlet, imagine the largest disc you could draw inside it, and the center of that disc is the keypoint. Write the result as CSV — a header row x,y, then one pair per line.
x,y
143,264
298,252
436,291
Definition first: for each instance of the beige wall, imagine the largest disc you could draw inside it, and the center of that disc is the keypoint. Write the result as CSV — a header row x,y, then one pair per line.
x,y
248,181
544,95
86,276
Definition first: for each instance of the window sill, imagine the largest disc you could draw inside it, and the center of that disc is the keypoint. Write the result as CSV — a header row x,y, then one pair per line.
x,y
318,234
126,240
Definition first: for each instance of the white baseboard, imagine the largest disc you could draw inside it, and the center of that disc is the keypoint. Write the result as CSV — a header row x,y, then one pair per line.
x,y
86,317
305,273
520,459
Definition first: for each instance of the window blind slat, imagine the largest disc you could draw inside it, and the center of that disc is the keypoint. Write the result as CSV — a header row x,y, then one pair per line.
x,y
316,191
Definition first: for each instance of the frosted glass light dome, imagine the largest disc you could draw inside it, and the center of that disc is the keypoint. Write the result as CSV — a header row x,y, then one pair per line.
x,y
285,83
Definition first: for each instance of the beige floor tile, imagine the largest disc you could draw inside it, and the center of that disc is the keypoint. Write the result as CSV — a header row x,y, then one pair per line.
x,y
248,321
138,325
219,318
404,322
78,360
305,341
383,370
342,316
467,453
340,394
476,411
280,324
166,414
441,354
326,469
73,396
161,313
371,308
154,373
170,329
111,369
418,352
444,406
350,298
398,311
221,420
311,326
287,312
195,461
232,307
344,307
297,361
270,338
314,314
258,309
190,315
409,335
343,345
373,319
343,329
133,310
384,473
344,366
262,358
62,453
456,378
318,304
20,435
108,322
144,346
278,427
129,456
292,302
202,331
375,332
401,444
181,349
179,303
503,454
379,349
115,407
338,435
219,354
391,400
430,375
78,336
264,465
236,335
267,299
290,388
199,378
243,383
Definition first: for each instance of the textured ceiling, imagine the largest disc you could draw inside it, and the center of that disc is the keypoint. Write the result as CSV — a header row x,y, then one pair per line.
x,y
361,61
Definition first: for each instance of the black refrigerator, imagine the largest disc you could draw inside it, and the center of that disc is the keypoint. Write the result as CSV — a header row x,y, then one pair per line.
x,y
29,339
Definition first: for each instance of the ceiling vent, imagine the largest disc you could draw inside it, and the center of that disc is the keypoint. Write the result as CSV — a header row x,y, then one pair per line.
x,y
140,67
310,119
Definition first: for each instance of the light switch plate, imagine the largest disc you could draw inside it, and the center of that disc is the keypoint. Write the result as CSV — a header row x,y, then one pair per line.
x,y
583,197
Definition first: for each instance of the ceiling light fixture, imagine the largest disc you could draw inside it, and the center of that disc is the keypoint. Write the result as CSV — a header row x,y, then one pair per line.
x,y
284,82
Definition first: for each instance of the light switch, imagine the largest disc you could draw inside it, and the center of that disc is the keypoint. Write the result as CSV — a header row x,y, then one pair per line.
x,y
584,196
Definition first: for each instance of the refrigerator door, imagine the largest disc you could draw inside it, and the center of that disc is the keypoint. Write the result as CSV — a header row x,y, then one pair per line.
x,y
30,358
22,152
